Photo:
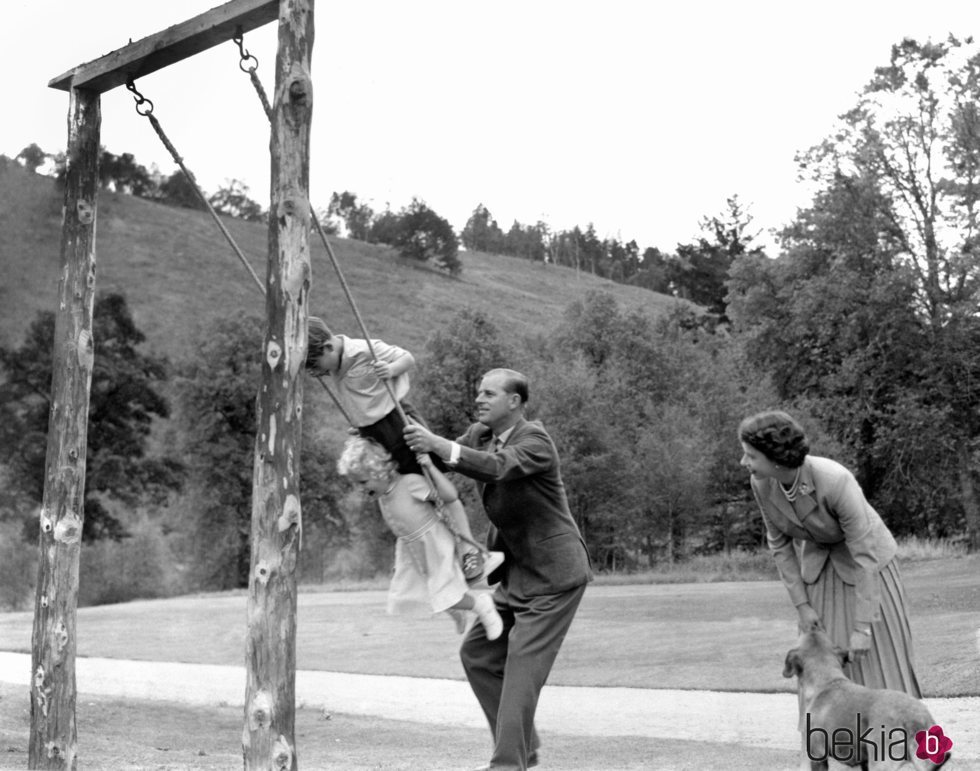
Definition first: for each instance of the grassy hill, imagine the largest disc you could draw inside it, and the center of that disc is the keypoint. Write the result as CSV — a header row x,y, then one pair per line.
x,y
178,274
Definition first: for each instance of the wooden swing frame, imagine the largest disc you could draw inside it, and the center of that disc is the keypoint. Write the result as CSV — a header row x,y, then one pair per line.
x,y
269,732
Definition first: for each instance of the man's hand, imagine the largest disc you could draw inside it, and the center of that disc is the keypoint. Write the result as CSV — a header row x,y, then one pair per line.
x,y
420,439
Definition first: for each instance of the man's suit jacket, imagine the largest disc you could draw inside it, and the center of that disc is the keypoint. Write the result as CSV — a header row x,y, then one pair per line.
x,y
831,520
525,501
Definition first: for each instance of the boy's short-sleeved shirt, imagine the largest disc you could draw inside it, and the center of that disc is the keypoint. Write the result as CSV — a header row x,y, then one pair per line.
x,y
359,390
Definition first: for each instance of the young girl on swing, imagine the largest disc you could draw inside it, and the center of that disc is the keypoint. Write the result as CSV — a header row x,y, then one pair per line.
x,y
427,572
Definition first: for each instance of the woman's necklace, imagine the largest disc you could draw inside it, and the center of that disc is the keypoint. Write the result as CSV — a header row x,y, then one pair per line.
x,y
793,491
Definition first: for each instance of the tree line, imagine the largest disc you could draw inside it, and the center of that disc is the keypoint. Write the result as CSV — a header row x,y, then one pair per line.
x,y
696,271
416,232
866,326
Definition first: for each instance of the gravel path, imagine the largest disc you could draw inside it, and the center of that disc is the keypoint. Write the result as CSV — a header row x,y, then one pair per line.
x,y
750,719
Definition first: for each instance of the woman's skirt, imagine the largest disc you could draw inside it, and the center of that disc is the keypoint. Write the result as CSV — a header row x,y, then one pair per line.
x,y
889,663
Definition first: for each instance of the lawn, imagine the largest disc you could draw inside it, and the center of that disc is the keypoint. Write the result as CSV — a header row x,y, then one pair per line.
x,y
726,635
718,636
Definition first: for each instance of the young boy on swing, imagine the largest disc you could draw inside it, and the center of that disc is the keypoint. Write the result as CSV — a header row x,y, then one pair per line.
x,y
427,572
358,380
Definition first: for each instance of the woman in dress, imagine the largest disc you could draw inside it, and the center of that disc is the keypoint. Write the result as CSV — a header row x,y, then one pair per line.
x,y
834,553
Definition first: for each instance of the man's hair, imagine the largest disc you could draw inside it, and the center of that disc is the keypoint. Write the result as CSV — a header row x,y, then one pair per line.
x,y
777,436
514,382
365,456
318,334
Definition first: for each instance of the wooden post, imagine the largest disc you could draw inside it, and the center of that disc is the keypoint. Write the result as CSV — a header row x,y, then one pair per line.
x,y
53,733
268,737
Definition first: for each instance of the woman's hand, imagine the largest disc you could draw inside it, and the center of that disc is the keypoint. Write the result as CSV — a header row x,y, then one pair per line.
x,y
809,620
858,645
424,459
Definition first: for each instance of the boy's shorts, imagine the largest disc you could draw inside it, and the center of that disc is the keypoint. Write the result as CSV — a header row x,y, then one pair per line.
x,y
389,433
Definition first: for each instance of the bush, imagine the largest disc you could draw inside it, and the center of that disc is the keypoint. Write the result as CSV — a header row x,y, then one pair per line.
x,y
18,568
138,567
740,565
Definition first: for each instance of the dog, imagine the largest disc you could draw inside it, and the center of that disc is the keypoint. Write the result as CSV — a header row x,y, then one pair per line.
x,y
854,725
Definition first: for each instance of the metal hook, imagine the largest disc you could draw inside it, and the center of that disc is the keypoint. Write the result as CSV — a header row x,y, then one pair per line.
x,y
140,99
246,57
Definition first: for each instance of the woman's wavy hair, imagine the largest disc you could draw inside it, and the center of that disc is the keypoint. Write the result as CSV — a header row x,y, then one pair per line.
x,y
777,436
367,457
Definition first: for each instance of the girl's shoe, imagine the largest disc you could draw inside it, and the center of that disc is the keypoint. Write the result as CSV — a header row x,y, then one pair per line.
x,y
486,611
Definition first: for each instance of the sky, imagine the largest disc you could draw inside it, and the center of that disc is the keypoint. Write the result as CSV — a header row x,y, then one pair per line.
x,y
638,116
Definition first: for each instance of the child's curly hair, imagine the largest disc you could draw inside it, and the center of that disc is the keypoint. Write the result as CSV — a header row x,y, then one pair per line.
x,y
318,334
777,436
367,457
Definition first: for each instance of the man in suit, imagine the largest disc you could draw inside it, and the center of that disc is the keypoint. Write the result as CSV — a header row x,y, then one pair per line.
x,y
546,565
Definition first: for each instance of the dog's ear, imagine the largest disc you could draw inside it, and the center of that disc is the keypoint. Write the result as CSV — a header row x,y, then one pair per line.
x,y
794,664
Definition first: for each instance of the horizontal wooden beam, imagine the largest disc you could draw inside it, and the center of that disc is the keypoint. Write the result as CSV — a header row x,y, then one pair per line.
x,y
170,46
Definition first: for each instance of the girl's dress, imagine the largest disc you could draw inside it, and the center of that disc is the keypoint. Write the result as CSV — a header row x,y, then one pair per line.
x,y
427,572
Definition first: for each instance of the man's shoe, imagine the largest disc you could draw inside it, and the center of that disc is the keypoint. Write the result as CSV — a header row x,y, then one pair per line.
x,y
532,761
486,611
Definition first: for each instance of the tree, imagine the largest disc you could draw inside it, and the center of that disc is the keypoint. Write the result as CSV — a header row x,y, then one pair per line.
x,y
871,314
913,139
481,232
177,190
386,228
671,466
233,200
651,273
621,393
123,406
217,390
454,362
527,242
357,218
33,157
596,462
832,321
700,269
423,235
122,173
217,386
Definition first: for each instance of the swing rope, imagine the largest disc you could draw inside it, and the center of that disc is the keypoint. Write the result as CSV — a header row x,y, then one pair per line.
x,y
147,112
249,64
